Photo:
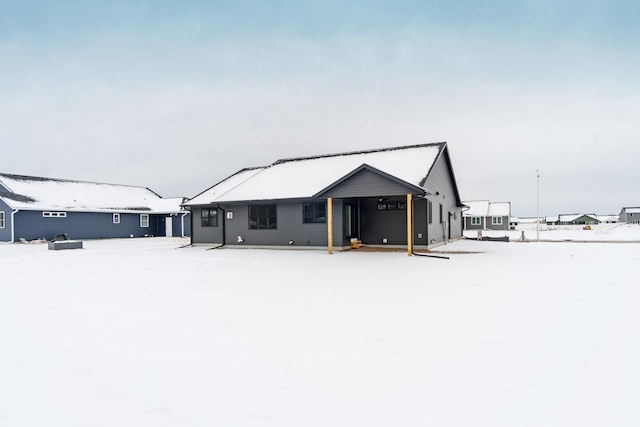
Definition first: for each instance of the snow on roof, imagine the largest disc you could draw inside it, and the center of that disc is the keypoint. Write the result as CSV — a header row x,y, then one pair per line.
x,y
607,218
573,217
486,208
220,189
36,193
631,210
499,209
303,177
476,208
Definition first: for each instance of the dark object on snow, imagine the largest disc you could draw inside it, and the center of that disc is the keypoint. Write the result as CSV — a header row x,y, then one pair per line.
x,y
65,244
495,239
60,237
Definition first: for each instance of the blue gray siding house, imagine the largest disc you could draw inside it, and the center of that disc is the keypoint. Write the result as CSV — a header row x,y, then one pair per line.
x,y
400,196
42,208
486,215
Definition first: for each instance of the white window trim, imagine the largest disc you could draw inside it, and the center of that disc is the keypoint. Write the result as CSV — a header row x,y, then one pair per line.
x,y
476,220
144,216
116,218
496,220
1,219
54,214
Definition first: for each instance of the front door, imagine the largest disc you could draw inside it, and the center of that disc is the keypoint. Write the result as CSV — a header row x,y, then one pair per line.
x,y
168,227
351,224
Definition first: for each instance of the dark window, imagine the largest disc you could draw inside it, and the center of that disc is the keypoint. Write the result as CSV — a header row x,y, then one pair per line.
x,y
392,206
262,217
314,213
441,216
430,211
209,218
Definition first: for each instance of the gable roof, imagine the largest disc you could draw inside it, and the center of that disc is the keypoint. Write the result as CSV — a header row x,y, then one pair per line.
x,y
630,210
486,208
476,208
305,177
38,193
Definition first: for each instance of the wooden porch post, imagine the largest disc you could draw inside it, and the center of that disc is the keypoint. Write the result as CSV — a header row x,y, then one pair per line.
x,y
409,227
330,225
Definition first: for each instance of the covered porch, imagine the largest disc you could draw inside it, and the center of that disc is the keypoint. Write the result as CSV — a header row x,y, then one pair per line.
x,y
373,208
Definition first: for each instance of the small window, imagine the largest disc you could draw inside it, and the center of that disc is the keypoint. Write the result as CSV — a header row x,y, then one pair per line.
x,y
116,218
54,214
209,217
392,206
476,220
441,216
314,213
263,217
430,211
1,219
144,220
496,220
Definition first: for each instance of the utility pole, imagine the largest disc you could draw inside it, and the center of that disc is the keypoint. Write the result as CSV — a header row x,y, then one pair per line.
x,y
537,205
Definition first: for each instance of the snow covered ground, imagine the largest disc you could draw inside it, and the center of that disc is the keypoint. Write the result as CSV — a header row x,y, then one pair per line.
x,y
620,232
139,333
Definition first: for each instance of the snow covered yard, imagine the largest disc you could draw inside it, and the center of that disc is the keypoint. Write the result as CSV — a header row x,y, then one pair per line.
x,y
138,333
619,232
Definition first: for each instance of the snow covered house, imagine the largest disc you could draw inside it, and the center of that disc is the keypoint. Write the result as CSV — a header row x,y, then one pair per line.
x,y
401,196
34,207
630,215
573,219
486,215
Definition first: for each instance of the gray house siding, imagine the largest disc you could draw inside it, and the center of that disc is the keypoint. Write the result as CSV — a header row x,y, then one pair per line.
x,y
84,225
629,217
450,225
469,226
5,232
503,226
290,227
200,234
234,222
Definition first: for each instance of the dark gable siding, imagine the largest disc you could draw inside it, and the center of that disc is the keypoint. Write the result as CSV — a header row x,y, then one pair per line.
x,y
367,184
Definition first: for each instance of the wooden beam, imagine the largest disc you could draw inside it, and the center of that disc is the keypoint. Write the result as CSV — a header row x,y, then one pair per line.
x,y
330,225
409,226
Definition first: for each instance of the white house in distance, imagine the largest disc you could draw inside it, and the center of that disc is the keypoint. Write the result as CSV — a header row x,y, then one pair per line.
x,y
486,215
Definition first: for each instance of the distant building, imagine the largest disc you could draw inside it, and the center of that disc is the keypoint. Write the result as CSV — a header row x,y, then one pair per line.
x,y
573,219
608,219
486,215
630,215
35,207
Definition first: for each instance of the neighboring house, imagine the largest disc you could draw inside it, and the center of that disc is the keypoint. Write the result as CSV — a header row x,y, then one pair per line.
x,y
607,219
486,215
630,215
34,207
573,219
402,196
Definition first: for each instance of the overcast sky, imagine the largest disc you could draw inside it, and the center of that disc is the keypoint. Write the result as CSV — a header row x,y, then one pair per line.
x,y
177,95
